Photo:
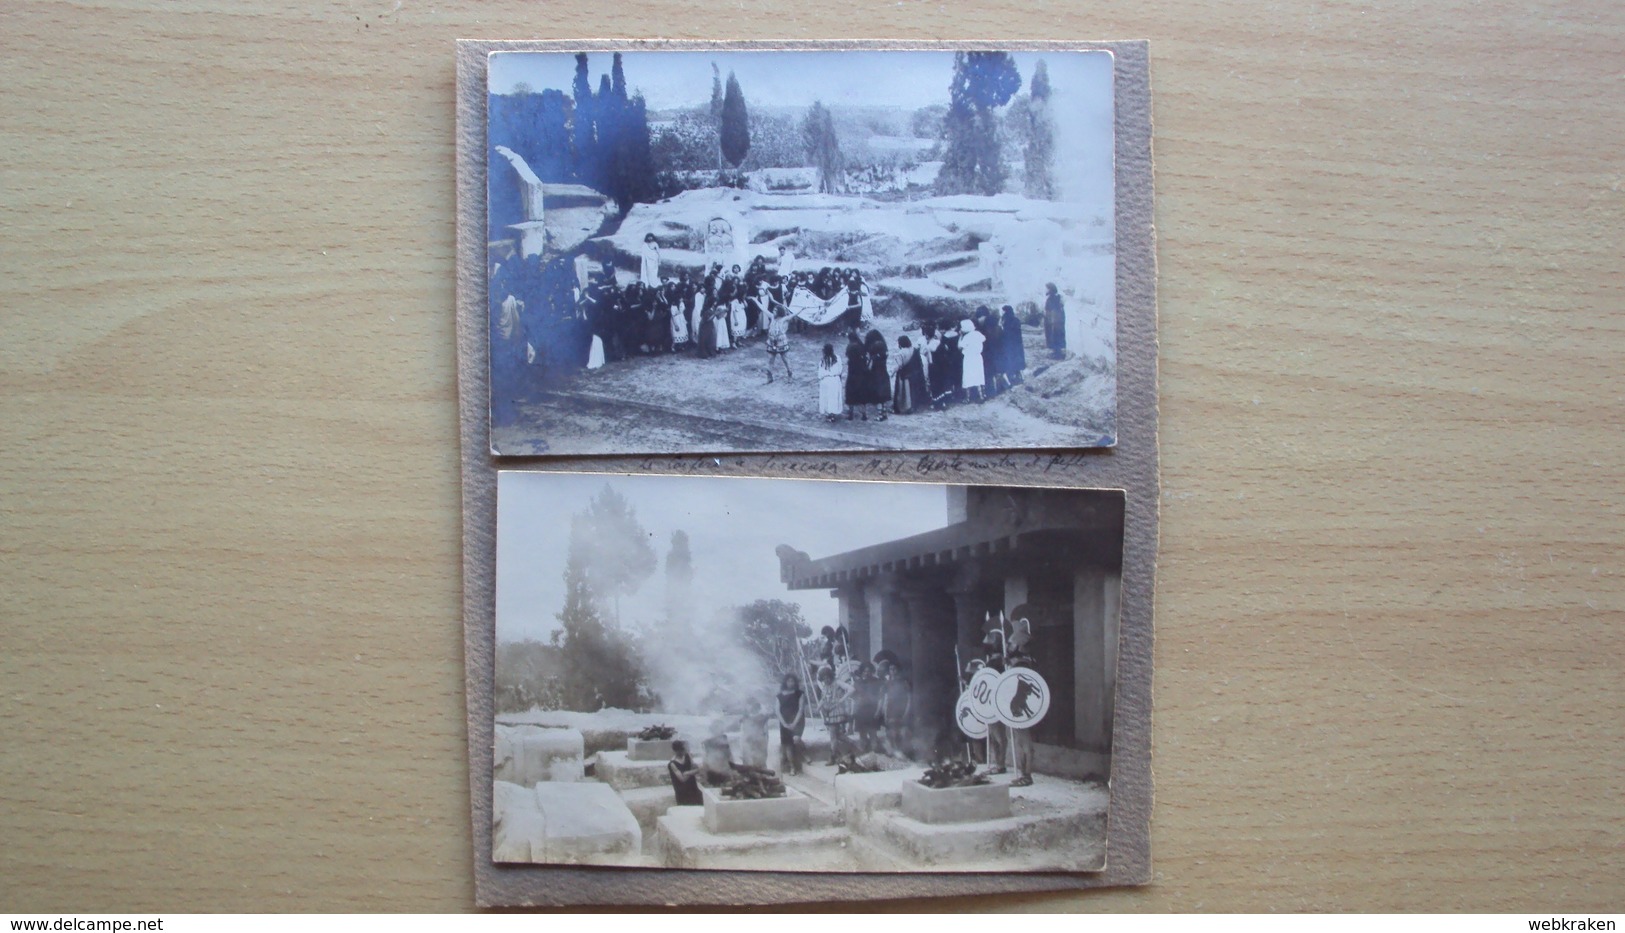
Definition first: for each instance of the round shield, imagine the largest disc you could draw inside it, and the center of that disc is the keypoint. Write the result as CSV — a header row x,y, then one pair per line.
x,y
1021,697
965,718
981,690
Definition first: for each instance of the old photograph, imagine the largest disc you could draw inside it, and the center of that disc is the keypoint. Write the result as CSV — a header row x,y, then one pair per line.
x,y
803,675
722,251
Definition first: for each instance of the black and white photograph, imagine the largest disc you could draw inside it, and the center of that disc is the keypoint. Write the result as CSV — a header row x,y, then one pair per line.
x,y
800,250
803,675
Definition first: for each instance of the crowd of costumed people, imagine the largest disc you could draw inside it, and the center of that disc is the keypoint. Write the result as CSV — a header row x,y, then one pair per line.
x,y
580,317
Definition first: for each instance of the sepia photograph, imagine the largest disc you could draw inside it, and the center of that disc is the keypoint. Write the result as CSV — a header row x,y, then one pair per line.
x,y
803,675
797,250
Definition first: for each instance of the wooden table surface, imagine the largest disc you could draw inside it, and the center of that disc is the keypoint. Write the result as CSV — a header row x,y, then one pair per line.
x,y
1391,602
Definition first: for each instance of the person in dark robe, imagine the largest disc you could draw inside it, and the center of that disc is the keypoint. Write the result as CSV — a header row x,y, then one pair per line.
x,y
1054,322
686,293
948,361
879,373
993,340
633,323
909,393
685,776
1014,354
857,377
708,332
866,722
657,320
854,304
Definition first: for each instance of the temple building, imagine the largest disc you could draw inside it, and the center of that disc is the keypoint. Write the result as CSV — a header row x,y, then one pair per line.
x,y
1052,556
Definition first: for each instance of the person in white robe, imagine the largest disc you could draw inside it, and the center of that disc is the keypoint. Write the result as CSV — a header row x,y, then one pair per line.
x,y
866,306
971,343
649,262
787,262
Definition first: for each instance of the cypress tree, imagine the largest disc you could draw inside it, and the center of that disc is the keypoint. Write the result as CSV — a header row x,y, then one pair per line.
x,y
972,162
735,124
1040,155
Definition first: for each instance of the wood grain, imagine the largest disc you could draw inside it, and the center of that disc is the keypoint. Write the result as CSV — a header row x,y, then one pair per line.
x,y
1390,597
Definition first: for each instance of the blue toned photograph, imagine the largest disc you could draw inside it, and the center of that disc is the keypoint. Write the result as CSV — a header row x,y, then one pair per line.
x,y
727,251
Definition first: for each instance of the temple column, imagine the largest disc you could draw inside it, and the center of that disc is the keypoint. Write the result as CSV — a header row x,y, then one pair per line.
x,y
888,617
1091,726
854,617
970,613
933,624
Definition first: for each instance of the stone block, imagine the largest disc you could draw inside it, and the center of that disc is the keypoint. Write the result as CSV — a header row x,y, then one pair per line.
x,y
649,749
791,812
861,795
586,823
518,833
528,755
649,804
970,804
682,841
618,770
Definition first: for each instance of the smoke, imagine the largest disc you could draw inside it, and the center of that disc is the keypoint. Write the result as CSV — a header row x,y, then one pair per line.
x,y
701,667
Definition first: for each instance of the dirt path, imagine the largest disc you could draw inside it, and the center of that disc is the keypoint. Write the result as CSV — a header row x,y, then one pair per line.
x,y
677,402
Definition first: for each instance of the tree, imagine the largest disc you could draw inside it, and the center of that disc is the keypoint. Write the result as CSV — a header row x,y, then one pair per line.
x,y
716,110
583,135
1040,137
598,665
972,162
772,629
823,146
615,547
609,556
735,131
679,581
618,79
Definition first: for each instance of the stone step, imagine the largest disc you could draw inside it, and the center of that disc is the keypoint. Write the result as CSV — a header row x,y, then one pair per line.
x,y
649,804
684,842
964,279
943,263
1039,839
622,773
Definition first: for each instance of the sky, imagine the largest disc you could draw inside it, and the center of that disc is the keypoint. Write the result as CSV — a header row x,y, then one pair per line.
x,y
733,525
783,78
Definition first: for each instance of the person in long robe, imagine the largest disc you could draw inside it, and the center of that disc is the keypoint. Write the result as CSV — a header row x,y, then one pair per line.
x,y
671,294
691,299
949,362
972,374
1014,356
992,352
509,356
879,372
909,392
787,262
658,314
707,332
1054,322
866,304
854,303
857,377
736,308
830,376
758,307
649,262
929,344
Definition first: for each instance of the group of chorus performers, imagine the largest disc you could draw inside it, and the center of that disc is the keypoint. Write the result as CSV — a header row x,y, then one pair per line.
x,y
966,360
